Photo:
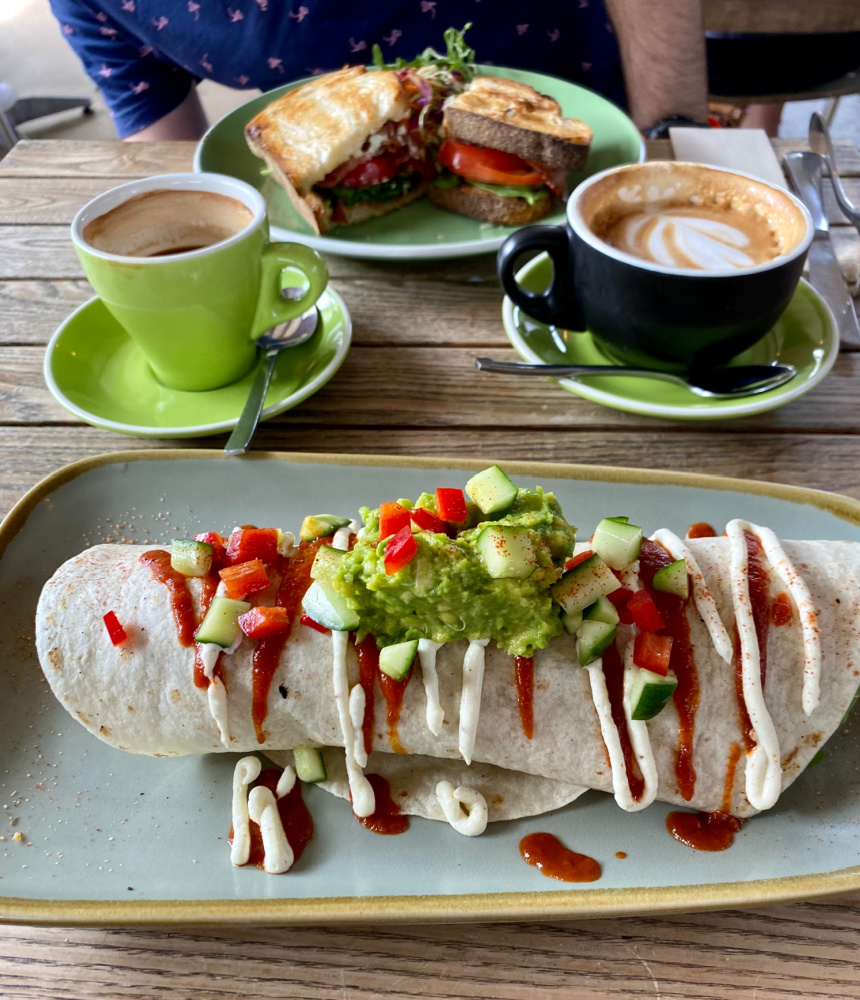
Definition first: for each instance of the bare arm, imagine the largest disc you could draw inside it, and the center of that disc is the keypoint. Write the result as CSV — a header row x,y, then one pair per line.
x,y
663,56
187,121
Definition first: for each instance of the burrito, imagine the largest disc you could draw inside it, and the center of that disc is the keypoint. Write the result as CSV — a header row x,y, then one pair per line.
x,y
467,648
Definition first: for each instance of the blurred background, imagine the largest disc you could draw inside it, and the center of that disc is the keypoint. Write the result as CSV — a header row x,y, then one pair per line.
x,y
36,61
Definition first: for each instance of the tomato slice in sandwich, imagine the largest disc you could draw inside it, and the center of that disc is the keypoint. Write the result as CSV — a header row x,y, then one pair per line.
x,y
376,171
487,166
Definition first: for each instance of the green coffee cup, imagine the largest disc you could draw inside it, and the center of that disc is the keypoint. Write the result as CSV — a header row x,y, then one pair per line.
x,y
184,263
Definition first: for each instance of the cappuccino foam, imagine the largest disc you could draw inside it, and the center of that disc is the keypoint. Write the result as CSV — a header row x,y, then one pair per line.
x,y
160,223
687,216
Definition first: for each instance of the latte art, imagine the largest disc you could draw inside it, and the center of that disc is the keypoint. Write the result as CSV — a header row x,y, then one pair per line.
x,y
677,237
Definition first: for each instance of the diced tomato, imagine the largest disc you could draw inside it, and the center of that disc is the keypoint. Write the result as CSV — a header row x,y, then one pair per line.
x,y
219,546
400,551
576,560
376,171
252,543
245,578
652,651
645,612
486,166
392,517
115,630
427,520
307,620
261,623
451,505
620,599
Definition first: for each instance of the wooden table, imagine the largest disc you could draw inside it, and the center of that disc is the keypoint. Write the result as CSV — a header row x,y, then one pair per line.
x,y
409,387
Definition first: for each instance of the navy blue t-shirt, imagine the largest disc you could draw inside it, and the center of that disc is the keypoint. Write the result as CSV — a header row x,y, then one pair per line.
x,y
146,55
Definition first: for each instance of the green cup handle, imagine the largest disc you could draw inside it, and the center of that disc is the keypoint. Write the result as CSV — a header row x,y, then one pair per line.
x,y
272,308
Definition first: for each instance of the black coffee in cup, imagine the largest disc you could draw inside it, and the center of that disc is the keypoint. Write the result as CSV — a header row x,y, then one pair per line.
x,y
668,265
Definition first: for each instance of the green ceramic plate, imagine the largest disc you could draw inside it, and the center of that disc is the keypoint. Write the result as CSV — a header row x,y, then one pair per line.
x,y
113,838
805,337
95,371
420,230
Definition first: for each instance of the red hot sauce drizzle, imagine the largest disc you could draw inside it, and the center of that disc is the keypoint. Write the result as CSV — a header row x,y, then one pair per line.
x,y
295,817
781,611
701,529
393,691
551,858
210,585
682,663
613,671
524,675
759,587
295,573
386,817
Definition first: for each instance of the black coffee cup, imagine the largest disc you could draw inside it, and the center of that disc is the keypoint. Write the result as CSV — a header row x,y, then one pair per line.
x,y
640,287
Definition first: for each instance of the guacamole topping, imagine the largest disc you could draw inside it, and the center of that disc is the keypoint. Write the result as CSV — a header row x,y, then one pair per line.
x,y
446,592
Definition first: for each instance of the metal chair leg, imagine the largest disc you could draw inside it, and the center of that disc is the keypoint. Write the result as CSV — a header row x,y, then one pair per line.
x,y
26,109
8,134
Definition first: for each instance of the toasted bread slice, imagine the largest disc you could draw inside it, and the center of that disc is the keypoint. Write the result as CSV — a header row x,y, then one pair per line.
x,y
487,207
309,131
515,118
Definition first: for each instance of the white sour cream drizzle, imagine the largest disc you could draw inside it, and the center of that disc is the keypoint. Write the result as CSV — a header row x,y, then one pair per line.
x,y
464,808
470,697
639,738
701,595
216,692
363,799
286,782
611,739
427,650
246,770
357,702
263,810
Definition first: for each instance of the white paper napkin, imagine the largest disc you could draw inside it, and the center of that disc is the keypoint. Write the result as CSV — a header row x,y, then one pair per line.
x,y
746,149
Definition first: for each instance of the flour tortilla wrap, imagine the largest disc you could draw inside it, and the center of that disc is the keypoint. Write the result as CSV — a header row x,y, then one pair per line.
x,y
141,697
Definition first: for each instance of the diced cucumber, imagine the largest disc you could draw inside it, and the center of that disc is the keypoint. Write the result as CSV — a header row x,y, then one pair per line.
x,y
673,579
620,520
591,640
322,603
508,551
571,621
491,490
310,766
649,693
603,610
583,584
191,558
397,659
617,542
326,562
320,526
221,624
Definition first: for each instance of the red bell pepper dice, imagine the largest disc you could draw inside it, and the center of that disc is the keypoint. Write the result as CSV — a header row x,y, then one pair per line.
x,y
252,543
392,517
245,578
620,599
645,612
307,620
652,652
115,630
451,505
219,547
400,551
262,623
427,520
576,560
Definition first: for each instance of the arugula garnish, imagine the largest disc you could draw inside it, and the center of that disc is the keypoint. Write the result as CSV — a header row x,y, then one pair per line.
x,y
459,57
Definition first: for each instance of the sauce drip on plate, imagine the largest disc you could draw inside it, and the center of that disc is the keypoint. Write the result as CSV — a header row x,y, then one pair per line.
x,y
295,818
701,529
704,831
386,818
551,858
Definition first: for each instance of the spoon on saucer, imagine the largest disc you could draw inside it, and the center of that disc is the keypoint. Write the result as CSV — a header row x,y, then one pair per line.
x,y
278,339
745,380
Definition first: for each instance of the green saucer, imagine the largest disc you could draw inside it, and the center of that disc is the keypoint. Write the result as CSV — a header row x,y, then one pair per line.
x,y
805,336
95,371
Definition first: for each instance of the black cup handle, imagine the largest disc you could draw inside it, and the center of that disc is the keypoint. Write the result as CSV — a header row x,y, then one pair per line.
x,y
557,305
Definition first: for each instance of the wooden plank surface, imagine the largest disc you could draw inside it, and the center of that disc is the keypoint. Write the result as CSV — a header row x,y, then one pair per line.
x,y
409,388
779,17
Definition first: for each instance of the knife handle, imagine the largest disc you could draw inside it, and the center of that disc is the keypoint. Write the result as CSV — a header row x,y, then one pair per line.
x,y
804,172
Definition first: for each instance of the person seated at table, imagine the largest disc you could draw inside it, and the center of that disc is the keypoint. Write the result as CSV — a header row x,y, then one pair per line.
x,y
146,56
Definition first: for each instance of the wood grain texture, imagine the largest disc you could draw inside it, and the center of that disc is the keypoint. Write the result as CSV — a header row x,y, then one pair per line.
x,y
122,161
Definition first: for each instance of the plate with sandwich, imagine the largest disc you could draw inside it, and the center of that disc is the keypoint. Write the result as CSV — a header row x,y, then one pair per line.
x,y
418,163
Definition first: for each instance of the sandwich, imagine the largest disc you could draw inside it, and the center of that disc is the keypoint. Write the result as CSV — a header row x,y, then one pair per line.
x,y
470,642
507,152
346,146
